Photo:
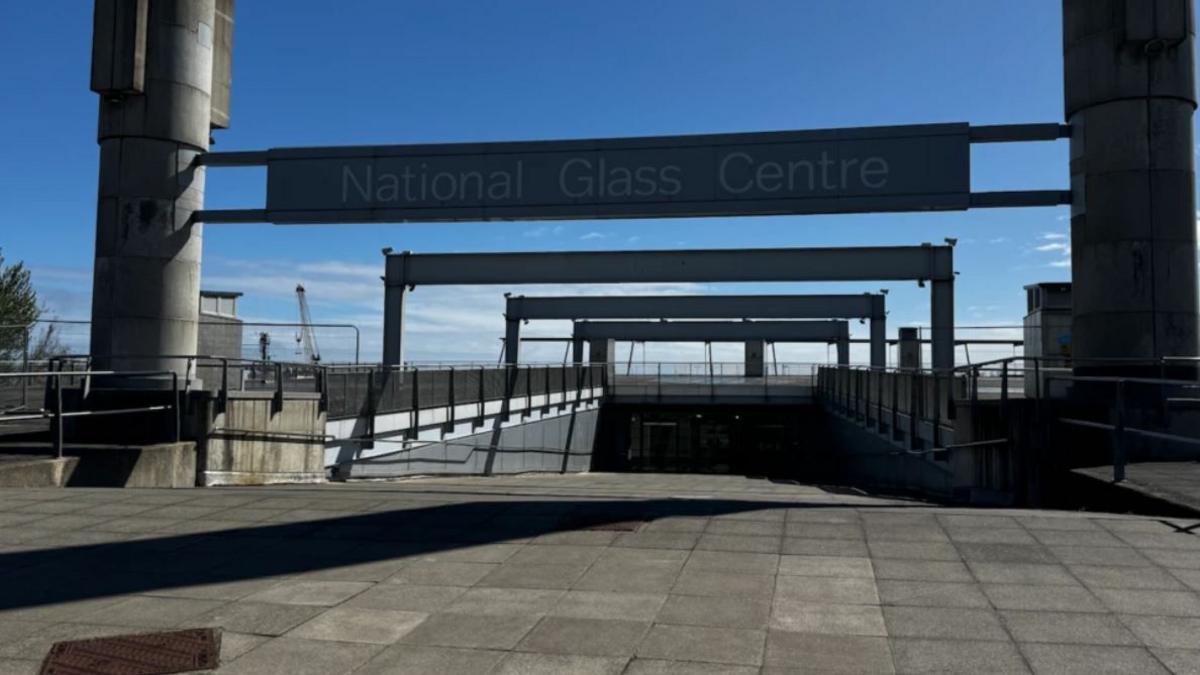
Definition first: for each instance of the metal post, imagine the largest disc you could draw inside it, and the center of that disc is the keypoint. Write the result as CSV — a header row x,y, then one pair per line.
x,y
879,342
395,290
528,391
58,418
278,398
175,403
512,341
913,426
941,320
895,398
1119,456
451,395
482,391
25,368
224,397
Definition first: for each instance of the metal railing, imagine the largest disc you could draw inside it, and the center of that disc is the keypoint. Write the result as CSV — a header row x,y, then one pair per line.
x,y
56,414
366,391
1125,408
915,406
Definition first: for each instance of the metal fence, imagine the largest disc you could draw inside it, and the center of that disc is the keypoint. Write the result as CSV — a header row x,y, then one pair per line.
x,y
353,391
1140,418
50,409
914,405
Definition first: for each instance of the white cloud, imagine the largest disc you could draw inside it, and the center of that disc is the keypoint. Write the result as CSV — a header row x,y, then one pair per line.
x,y
997,240
1061,263
1057,246
593,235
1054,236
543,231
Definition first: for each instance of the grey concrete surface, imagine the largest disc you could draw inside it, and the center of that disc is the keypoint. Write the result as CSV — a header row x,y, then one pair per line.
x,y
500,575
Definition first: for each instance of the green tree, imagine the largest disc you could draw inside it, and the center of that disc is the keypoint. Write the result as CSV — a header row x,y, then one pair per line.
x,y
18,308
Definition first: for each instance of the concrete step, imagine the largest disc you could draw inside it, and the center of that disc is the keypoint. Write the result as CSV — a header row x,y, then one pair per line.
x,y
34,470
159,465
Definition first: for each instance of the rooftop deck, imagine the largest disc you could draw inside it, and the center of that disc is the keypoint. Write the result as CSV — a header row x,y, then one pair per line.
x,y
598,573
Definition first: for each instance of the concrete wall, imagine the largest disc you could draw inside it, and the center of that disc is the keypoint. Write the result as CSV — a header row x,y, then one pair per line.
x,y
553,443
219,336
862,457
254,441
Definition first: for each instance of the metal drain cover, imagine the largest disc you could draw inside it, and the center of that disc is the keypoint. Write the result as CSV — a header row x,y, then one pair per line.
x,y
147,654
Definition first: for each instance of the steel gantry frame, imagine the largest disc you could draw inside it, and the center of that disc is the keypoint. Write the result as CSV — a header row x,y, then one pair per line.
x,y
519,308
755,334
924,263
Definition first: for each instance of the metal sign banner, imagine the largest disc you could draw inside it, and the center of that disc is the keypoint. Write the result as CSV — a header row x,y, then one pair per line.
x,y
906,168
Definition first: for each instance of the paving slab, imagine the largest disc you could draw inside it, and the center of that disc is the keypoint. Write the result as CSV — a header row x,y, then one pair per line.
x,y
468,630
602,605
585,637
826,566
355,624
943,623
1179,661
554,664
324,593
691,582
1043,598
957,656
735,646
720,611
1068,628
476,575
289,656
825,619
408,597
1091,659
485,601
402,659
258,618
931,594
833,654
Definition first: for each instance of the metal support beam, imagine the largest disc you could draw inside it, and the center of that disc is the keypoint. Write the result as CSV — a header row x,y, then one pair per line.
x,y
713,331
880,263
850,306
886,263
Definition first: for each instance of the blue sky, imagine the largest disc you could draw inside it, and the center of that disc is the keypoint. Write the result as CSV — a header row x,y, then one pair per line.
x,y
383,71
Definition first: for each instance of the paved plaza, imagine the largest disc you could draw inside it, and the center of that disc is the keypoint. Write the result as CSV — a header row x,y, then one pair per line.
x,y
598,573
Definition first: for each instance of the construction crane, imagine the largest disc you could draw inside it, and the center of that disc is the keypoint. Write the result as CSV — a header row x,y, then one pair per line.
x,y
306,338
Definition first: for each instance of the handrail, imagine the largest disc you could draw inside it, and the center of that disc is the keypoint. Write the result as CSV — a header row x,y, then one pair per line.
x,y
57,414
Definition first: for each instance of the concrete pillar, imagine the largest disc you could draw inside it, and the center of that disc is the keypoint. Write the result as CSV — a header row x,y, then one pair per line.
x,y
146,288
512,341
754,357
941,322
879,342
910,349
1130,95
